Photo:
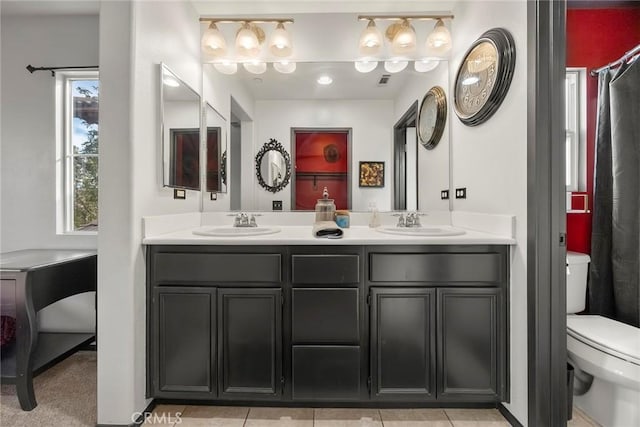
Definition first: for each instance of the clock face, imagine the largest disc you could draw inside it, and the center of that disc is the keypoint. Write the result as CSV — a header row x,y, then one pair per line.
x,y
432,117
484,76
477,78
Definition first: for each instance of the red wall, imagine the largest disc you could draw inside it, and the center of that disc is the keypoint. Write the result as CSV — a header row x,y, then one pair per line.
x,y
595,37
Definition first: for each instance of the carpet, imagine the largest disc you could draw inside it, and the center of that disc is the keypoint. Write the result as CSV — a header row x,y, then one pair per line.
x,y
66,396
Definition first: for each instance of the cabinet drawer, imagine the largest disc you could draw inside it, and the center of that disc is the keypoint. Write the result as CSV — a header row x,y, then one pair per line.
x,y
325,269
326,372
325,316
179,267
440,267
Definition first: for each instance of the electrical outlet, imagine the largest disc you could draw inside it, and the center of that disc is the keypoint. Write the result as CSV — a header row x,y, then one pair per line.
x,y
179,194
444,195
214,196
276,205
461,193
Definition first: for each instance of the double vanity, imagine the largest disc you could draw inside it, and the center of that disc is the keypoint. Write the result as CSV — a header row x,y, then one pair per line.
x,y
374,318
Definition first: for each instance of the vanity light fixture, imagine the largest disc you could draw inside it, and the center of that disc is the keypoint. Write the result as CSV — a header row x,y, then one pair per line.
x,y
284,67
248,42
403,45
366,66
226,67
371,40
439,40
255,67
425,65
213,43
280,44
395,65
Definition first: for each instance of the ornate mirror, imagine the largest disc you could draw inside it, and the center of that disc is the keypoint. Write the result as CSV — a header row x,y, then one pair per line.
x,y
273,166
432,117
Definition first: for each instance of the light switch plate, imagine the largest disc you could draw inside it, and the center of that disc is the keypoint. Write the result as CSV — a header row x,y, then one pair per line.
x,y
179,194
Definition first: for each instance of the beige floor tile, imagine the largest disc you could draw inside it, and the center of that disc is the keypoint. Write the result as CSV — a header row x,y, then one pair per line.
x,y
476,418
414,418
280,417
213,416
580,419
346,417
164,415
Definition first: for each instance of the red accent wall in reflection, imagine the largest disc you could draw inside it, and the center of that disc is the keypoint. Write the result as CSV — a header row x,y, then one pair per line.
x,y
595,37
321,160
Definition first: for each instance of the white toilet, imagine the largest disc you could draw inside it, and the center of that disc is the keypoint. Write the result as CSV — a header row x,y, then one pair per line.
x,y
605,355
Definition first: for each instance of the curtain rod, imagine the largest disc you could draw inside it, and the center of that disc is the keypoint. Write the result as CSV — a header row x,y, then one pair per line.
x,y
53,70
624,57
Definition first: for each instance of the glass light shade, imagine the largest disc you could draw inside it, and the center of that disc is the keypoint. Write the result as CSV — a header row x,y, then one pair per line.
x,y
247,42
365,66
371,40
213,44
226,67
280,44
425,65
395,66
404,40
255,67
439,40
284,67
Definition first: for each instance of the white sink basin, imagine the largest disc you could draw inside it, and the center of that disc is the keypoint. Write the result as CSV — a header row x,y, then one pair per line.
x,y
236,231
423,231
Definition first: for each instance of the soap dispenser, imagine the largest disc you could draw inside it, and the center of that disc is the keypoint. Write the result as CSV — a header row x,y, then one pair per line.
x,y
325,207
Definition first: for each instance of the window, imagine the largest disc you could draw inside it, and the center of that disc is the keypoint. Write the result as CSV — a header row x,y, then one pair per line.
x,y
575,119
77,95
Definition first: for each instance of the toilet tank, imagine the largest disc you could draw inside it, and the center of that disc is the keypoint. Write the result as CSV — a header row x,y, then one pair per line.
x,y
577,271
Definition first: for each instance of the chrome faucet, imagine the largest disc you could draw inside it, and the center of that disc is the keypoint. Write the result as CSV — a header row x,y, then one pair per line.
x,y
413,220
243,220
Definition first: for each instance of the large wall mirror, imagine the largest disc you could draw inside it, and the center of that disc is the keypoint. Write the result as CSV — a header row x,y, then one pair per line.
x,y
216,149
180,118
371,105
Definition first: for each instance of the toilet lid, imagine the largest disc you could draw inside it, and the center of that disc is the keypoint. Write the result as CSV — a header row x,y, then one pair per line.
x,y
610,336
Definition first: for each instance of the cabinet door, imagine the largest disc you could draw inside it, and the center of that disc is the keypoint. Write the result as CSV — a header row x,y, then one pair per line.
x,y
471,344
250,336
403,344
184,342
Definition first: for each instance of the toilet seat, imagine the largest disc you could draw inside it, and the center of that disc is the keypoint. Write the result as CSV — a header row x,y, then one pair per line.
x,y
607,335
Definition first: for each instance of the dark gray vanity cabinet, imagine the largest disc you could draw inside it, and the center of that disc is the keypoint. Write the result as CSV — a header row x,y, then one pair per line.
x,y
438,323
326,324
403,344
471,344
184,325
250,337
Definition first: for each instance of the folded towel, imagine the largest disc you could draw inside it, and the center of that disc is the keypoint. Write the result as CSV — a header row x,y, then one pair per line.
x,y
327,229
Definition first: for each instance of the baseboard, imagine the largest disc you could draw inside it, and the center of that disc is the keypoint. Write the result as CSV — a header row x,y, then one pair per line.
x,y
509,416
139,420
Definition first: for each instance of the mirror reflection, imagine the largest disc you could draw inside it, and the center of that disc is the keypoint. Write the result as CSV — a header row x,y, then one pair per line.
x,y
273,166
216,180
375,110
180,115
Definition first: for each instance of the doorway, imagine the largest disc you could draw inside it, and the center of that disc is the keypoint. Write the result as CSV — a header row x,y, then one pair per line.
x,y
239,119
405,161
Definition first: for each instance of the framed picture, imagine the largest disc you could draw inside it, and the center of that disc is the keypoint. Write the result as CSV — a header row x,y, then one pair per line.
x,y
371,174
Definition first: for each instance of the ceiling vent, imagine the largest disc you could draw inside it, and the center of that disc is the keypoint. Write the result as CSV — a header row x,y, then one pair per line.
x,y
384,80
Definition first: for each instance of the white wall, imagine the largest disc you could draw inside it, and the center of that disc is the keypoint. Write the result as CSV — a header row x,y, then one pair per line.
x,y
371,124
135,38
28,184
490,160
433,165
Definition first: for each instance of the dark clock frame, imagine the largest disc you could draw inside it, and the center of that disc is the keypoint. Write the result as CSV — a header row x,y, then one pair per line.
x,y
505,46
437,93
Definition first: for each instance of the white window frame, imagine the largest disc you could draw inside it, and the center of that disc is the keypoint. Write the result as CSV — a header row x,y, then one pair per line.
x,y
576,128
64,150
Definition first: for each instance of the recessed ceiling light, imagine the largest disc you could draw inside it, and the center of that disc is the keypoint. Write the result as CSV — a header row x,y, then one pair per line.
x,y
325,80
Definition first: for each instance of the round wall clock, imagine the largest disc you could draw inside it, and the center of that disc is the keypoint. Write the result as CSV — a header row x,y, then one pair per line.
x,y
484,76
432,116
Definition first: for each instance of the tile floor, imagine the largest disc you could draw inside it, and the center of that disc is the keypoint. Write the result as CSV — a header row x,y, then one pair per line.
x,y
233,416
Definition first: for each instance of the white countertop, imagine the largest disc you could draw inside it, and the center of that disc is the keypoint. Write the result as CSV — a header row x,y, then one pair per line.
x,y
302,235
